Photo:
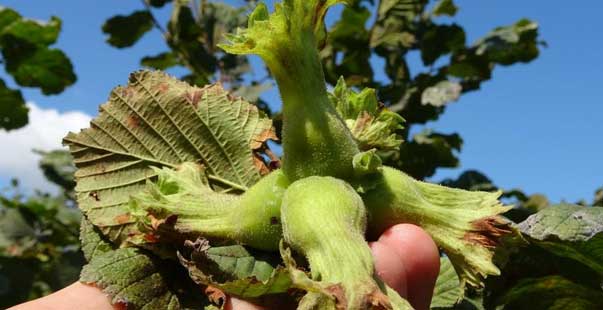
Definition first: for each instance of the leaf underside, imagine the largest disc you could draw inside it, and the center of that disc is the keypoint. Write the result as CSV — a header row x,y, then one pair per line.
x,y
158,121
448,288
235,270
135,278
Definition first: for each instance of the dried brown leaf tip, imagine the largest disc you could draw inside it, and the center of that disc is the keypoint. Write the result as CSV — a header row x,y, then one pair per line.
x,y
258,140
120,305
363,120
215,295
193,97
378,301
260,165
488,231
336,291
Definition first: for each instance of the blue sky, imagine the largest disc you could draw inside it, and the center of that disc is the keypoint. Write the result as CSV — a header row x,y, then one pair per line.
x,y
534,126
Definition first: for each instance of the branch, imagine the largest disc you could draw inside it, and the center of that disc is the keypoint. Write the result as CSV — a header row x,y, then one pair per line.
x,y
155,21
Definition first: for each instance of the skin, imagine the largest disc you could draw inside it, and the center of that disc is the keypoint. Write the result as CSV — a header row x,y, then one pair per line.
x,y
406,258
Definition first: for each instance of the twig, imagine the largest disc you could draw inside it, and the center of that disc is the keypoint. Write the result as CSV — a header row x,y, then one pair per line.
x,y
155,21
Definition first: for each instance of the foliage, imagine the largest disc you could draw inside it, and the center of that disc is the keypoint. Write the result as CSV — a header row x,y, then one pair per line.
x,y
29,59
452,67
39,245
191,34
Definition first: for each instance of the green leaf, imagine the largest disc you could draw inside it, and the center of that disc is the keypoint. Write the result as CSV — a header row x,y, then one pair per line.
x,y
445,7
126,30
439,40
158,3
48,69
13,111
32,31
58,168
448,290
136,280
428,151
471,180
158,121
7,17
571,231
133,277
235,270
93,243
348,51
441,94
373,126
563,254
598,198
24,44
160,61
17,236
510,44
552,292
252,92
394,27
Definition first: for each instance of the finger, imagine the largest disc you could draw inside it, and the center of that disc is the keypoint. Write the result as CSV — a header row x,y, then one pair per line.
x,y
233,303
418,256
389,268
76,296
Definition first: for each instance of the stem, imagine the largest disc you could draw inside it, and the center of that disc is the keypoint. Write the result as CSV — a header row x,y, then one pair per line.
x,y
315,140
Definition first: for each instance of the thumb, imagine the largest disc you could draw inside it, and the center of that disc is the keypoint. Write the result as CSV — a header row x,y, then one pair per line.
x,y
408,260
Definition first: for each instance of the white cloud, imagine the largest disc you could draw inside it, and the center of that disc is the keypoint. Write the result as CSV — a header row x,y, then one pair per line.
x,y
45,130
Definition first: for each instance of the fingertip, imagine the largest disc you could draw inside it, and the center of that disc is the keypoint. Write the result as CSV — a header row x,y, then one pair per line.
x,y
421,259
238,304
388,267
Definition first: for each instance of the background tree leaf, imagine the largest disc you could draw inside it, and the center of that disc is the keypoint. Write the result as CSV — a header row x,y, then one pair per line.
x,y
39,250
445,7
441,94
427,151
571,231
13,111
126,30
158,3
471,180
160,61
439,40
598,198
48,69
31,31
552,292
28,58
58,168
510,44
559,266
158,121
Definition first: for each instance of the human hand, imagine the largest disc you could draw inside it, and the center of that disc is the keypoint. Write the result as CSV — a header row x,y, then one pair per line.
x,y
406,258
